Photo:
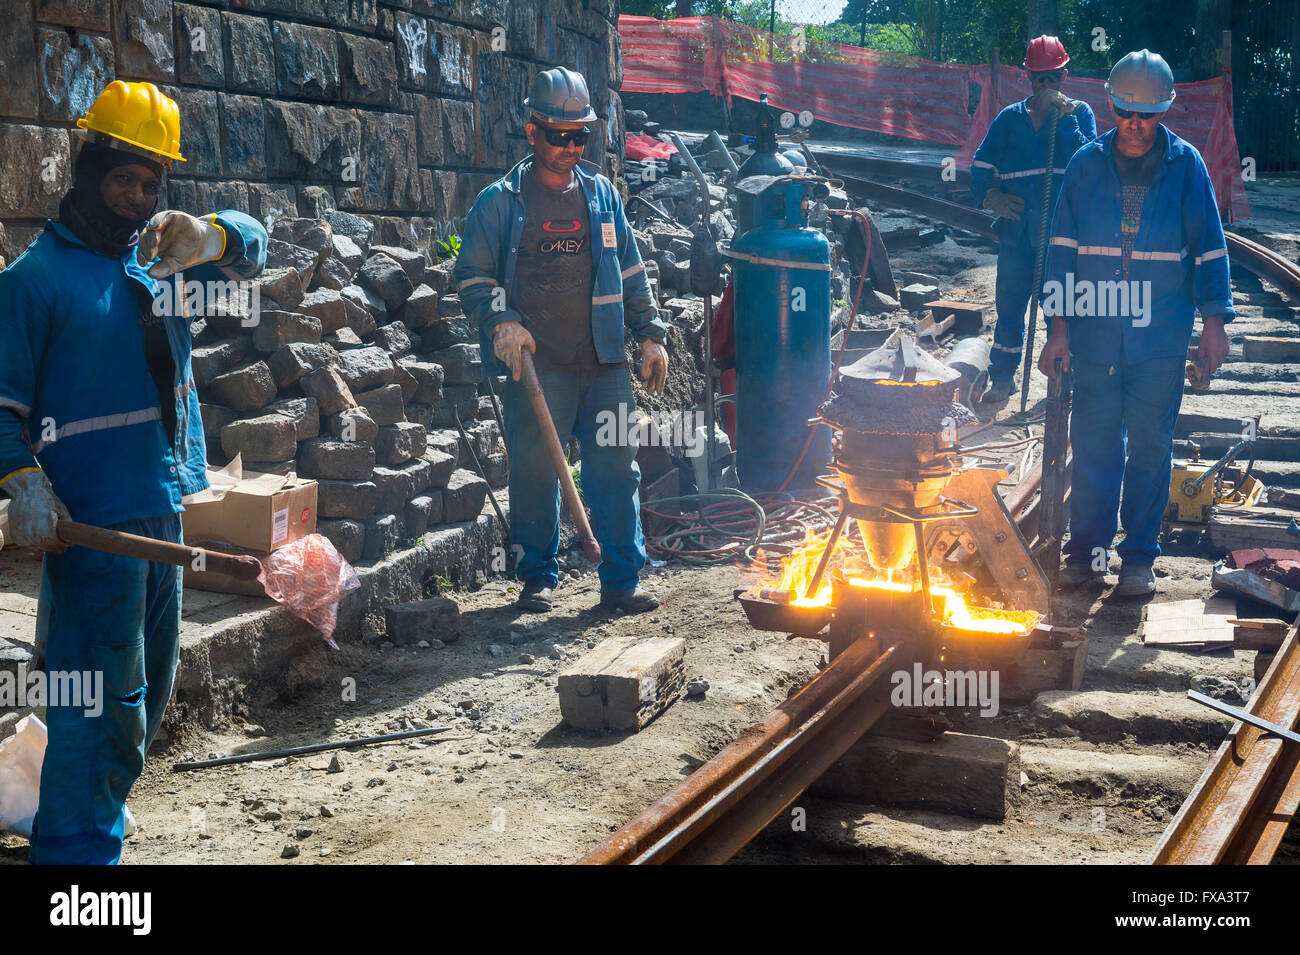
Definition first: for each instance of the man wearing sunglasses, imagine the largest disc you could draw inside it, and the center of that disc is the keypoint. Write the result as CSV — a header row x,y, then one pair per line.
x,y
549,264
1007,178
1138,247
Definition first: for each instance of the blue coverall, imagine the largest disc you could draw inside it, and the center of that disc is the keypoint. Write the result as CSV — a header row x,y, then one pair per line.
x,y
1128,367
621,298
1013,156
73,369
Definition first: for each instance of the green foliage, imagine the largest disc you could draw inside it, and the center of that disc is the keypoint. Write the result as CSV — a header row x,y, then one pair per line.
x,y
448,248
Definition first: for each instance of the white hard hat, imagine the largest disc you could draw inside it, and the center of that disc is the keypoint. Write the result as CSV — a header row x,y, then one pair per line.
x,y
1142,82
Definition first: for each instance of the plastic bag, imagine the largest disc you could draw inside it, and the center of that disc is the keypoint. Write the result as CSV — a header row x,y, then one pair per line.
x,y
310,577
21,756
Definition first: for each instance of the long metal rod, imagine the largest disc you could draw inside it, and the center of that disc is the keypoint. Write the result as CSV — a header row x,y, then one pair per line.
x,y
1243,716
481,473
1040,259
726,153
312,748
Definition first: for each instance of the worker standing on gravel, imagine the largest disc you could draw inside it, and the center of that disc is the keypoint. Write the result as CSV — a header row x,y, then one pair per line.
x,y
99,423
1137,232
549,264
1007,178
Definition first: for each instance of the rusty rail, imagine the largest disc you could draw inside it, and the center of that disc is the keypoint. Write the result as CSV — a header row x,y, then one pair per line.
x,y
731,798
1243,803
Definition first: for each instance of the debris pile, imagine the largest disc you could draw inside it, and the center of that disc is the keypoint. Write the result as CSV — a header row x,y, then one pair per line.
x,y
349,364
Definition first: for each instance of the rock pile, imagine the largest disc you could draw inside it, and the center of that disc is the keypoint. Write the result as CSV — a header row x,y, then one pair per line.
x,y
351,370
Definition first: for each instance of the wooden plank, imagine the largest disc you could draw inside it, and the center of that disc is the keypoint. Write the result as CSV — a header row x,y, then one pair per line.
x,y
1270,348
1235,528
957,773
623,683
1282,497
1264,634
1184,623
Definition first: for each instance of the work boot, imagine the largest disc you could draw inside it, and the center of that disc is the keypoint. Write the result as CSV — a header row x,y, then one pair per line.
x,y
1136,581
536,597
1080,575
999,391
634,600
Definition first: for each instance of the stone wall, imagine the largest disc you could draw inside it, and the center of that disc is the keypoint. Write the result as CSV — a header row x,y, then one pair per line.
x,y
398,111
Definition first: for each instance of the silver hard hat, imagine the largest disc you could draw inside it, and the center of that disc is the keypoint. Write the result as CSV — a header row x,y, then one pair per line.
x,y
1142,82
560,95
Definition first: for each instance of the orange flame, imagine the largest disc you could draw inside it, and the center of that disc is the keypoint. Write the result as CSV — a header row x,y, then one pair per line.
x,y
797,572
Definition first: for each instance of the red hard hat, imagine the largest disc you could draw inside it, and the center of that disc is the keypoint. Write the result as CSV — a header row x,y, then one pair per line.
x,y
1045,53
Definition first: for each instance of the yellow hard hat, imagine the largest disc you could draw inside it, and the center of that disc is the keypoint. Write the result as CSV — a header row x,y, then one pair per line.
x,y
139,115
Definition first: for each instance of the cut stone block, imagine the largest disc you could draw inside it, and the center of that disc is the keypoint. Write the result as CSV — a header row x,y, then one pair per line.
x,y
269,437
463,497
412,262
396,487
298,359
442,465
383,531
386,278
461,364
336,460
416,514
421,308
384,405
429,377
327,386
215,418
276,328
623,683
915,296
365,368
209,361
437,618
348,536
326,306
399,443
246,388
352,424
351,499
407,382
393,338
460,399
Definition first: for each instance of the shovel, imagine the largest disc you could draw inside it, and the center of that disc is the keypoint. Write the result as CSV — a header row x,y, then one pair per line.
x,y
590,546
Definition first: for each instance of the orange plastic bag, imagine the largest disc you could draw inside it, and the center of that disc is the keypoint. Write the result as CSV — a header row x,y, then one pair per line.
x,y
310,577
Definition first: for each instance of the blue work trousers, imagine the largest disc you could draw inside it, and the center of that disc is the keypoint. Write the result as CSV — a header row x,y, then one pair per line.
x,y
1122,432
610,476
1014,286
119,616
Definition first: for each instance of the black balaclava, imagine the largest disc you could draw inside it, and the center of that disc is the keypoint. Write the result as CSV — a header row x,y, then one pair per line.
x,y
83,209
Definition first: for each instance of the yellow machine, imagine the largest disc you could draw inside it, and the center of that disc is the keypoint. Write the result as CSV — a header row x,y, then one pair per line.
x,y
1196,487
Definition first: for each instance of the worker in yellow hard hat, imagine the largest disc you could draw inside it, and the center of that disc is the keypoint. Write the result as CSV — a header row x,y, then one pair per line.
x,y
99,423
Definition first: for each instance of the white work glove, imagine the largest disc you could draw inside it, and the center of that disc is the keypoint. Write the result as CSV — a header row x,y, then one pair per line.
x,y
508,344
179,241
654,366
1047,97
1005,204
35,512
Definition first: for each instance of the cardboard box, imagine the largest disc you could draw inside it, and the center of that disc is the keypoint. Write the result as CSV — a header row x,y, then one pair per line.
x,y
259,512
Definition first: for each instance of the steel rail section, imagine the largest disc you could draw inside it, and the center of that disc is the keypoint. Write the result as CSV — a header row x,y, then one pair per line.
x,y
1241,806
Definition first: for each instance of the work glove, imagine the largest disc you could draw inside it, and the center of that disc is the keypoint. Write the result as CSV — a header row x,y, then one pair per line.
x,y
35,512
654,366
508,344
178,240
1047,97
1004,204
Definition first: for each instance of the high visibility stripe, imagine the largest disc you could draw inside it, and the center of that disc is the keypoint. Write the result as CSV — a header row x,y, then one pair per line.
x,y
1161,256
1100,250
984,165
23,410
183,391
628,273
102,423
606,299
1064,242
1007,348
479,281
1216,254
1116,251
1031,172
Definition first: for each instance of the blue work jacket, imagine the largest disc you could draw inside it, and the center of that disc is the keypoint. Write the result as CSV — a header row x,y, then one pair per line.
x,y
73,365
1180,259
1013,156
620,293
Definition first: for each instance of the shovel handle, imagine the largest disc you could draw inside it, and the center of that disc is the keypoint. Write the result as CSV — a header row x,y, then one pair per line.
x,y
590,546
164,552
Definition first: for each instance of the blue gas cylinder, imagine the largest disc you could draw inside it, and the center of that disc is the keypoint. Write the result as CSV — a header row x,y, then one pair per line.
x,y
783,340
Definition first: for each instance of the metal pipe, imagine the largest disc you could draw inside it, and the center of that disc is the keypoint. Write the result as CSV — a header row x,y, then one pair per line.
x,y
1040,258
481,473
699,177
312,748
726,153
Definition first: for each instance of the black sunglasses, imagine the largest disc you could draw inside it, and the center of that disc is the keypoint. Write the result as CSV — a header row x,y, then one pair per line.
x,y
1130,113
562,137
1054,76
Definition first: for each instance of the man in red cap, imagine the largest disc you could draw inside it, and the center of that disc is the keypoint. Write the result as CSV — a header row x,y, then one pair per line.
x,y
1007,178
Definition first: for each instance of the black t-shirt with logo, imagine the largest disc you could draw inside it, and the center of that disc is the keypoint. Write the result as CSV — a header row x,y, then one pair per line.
x,y
554,275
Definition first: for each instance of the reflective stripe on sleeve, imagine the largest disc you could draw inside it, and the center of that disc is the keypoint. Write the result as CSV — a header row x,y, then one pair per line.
x,y
629,272
1208,256
102,423
479,281
606,299
23,410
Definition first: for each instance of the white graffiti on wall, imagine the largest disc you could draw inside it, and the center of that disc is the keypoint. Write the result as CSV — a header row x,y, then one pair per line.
x,y
414,34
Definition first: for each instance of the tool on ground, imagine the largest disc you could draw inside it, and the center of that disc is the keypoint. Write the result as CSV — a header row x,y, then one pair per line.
x,y
481,473
590,546
1196,487
1243,716
1056,446
1044,216
164,552
304,750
